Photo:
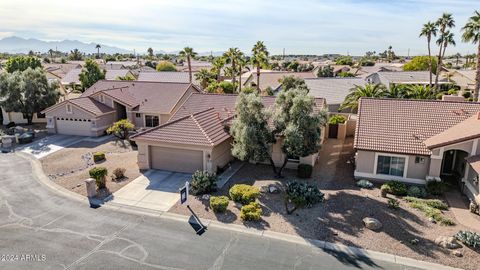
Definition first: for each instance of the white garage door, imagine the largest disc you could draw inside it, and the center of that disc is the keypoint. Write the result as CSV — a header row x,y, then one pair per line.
x,y
174,159
70,126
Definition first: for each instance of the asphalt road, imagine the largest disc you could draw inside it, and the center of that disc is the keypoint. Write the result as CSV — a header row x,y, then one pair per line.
x,y
42,230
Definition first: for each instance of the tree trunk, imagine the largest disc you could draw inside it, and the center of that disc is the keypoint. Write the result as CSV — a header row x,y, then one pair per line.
x,y
273,166
258,78
477,78
29,118
189,69
240,80
233,74
280,170
430,62
439,65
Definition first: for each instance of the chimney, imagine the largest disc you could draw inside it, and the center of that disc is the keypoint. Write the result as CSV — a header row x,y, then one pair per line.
x,y
452,98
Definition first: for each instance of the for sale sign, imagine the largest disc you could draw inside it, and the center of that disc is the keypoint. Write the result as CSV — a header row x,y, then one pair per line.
x,y
184,193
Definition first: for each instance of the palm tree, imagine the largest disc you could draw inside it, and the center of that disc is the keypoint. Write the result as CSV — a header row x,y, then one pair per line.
x,y
471,33
259,59
457,56
242,63
217,66
396,91
420,92
429,29
447,40
233,55
188,53
357,92
205,77
443,23
75,54
98,50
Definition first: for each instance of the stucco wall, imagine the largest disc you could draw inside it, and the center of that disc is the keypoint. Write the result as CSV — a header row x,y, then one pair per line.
x,y
18,118
103,122
222,154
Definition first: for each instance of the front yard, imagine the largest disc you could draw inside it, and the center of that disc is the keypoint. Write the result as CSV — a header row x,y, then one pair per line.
x,y
69,167
406,231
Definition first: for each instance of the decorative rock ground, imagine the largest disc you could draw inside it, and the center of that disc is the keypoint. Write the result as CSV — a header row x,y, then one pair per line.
x,y
447,242
273,189
372,223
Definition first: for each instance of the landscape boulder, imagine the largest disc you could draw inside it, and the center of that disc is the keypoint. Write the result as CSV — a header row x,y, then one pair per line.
x,y
372,223
273,189
447,242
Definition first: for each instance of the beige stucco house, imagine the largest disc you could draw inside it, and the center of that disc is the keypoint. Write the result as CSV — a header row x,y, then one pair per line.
x,y
415,141
197,138
145,104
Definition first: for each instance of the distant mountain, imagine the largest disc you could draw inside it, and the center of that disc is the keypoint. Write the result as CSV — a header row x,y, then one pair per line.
x,y
22,45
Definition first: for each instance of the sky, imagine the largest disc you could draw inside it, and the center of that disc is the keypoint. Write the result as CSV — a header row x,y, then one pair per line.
x,y
298,26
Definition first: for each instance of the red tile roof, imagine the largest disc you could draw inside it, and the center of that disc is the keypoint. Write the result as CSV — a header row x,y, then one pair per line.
x,y
203,128
402,125
474,161
86,103
463,131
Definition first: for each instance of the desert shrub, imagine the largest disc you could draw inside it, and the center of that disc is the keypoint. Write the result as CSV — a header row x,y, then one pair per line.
x,y
395,188
98,156
203,182
302,195
218,203
119,173
467,94
304,170
99,174
244,193
337,119
251,211
470,239
393,203
121,129
364,184
431,209
418,192
436,187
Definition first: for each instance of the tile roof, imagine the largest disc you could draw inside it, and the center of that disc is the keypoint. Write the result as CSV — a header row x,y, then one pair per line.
x,y
474,161
204,128
122,95
73,76
113,74
165,76
158,97
334,90
402,125
463,131
272,79
86,103
412,77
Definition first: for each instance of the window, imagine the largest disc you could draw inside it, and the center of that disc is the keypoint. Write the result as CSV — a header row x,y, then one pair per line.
x,y
391,165
40,115
151,120
138,115
294,159
69,108
419,160
102,99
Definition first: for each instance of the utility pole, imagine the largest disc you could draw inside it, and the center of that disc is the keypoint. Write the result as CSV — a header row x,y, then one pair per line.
x,y
408,55
283,53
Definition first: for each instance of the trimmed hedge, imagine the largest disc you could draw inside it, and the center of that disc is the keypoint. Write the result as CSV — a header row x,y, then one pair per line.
x,y
337,119
98,156
99,174
395,188
244,193
304,170
219,203
251,211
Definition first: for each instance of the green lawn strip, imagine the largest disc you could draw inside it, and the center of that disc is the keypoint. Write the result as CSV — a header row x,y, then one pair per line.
x,y
431,208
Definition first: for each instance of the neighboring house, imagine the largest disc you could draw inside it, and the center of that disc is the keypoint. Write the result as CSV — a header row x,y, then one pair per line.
x,y
19,118
465,79
167,76
197,138
73,76
415,141
272,79
145,104
333,90
60,70
195,66
112,66
403,77
380,67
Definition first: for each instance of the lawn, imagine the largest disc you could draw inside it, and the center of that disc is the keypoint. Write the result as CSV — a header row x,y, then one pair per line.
x,y
69,167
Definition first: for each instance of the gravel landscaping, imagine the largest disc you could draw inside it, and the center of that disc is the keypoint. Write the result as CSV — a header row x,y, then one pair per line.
x,y
69,167
405,232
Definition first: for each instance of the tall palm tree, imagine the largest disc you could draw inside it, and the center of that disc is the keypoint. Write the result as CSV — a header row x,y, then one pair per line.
x,y
420,92
51,55
259,59
357,92
188,53
447,40
457,56
233,55
471,33
429,29
443,23
396,91
98,50
205,77
242,63
217,65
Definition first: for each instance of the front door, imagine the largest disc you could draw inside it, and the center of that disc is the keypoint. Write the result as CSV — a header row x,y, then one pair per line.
x,y
333,131
448,162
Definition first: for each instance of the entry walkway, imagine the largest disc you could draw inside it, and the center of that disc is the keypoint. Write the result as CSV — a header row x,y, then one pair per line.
x,y
461,212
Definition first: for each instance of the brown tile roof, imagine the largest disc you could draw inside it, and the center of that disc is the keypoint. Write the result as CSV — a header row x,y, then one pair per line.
x,y
402,125
474,161
204,128
86,103
122,95
463,131
152,97
272,79
166,76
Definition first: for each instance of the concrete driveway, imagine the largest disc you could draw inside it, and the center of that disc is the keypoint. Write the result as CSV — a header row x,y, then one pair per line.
x,y
50,144
156,190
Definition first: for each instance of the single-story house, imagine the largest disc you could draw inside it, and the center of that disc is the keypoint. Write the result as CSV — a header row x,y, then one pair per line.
x,y
465,79
415,141
167,76
403,77
273,79
145,104
73,76
197,138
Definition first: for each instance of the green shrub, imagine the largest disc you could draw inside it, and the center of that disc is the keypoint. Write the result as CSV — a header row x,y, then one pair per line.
x,y
395,188
218,203
98,156
364,184
244,193
251,211
301,195
119,173
304,170
393,203
467,94
436,188
337,119
470,239
418,192
99,174
203,182
431,208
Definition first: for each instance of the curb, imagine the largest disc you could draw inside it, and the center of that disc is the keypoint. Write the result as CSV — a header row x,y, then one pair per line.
x,y
326,246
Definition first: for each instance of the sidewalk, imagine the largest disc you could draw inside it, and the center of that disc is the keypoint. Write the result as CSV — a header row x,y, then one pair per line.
x,y
461,212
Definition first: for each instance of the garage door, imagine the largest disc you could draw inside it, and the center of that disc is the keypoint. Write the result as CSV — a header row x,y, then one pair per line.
x,y
70,126
174,159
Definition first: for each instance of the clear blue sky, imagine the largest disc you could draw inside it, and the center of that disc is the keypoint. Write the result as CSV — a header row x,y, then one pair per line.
x,y
299,26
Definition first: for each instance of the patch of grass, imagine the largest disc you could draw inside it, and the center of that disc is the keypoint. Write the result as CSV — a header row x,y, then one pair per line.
x,y
431,208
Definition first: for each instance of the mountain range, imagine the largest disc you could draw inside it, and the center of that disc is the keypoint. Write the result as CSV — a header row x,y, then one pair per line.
x,y
21,45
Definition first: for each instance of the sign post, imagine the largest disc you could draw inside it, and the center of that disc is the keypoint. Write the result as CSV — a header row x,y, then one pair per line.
x,y
184,193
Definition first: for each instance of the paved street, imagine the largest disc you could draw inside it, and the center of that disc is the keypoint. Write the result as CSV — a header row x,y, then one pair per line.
x,y
66,234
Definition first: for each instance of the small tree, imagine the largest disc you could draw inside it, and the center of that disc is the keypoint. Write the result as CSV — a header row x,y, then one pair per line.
x,y
325,71
166,66
121,128
252,138
421,63
292,82
28,92
21,63
91,73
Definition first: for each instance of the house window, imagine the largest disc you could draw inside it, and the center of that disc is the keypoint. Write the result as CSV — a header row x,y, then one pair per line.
x,y
391,165
294,159
137,115
419,160
151,121
40,115
69,108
